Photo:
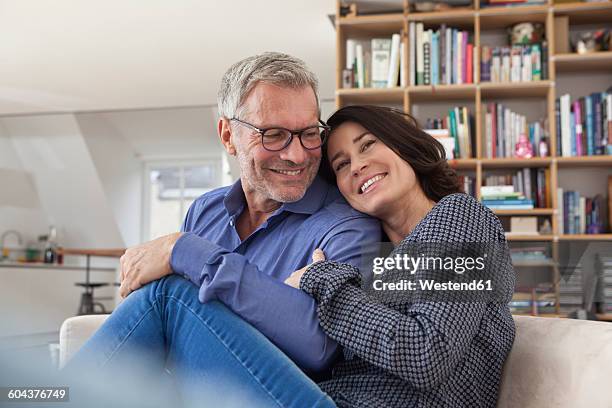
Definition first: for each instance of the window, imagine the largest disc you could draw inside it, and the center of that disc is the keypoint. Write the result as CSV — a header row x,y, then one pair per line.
x,y
170,188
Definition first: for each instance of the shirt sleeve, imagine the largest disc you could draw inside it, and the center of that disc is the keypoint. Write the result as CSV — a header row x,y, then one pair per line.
x,y
285,315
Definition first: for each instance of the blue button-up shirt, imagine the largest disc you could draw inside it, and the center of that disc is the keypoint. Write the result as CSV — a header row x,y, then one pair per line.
x,y
248,276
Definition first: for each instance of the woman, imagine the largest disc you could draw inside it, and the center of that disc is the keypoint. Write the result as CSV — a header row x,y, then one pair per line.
x,y
411,351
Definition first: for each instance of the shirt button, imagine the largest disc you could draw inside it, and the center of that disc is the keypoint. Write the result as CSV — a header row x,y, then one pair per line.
x,y
231,223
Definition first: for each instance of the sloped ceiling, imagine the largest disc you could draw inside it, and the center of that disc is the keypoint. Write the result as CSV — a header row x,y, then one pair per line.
x,y
75,55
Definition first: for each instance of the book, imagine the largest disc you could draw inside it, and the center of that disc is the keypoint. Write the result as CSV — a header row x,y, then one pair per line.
x,y
412,52
420,63
427,57
394,62
381,57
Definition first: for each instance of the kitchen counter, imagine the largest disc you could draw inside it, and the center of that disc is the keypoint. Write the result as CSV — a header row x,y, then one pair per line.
x,y
41,265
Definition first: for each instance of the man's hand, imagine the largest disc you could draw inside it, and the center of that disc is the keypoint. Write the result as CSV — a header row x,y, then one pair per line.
x,y
146,262
294,279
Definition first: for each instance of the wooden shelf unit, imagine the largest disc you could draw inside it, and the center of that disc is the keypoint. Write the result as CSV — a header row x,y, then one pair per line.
x,y
477,20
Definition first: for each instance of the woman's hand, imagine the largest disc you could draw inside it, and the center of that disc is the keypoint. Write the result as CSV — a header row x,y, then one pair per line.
x,y
294,279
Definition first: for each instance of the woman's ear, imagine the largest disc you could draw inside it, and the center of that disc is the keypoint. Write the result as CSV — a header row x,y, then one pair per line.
x,y
224,129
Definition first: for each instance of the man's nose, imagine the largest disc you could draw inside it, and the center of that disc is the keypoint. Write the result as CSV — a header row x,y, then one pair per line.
x,y
295,152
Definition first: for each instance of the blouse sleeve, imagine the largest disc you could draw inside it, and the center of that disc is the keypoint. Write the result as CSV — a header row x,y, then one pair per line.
x,y
424,343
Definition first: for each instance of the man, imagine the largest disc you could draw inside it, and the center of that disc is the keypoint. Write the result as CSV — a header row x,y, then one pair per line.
x,y
239,243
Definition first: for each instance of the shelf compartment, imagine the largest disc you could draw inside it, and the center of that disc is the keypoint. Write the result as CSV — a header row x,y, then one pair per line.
x,y
372,95
532,212
534,264
515,89
530,237
585,13
585,237
573,62
425,93
373,25
504,163
502,17
461,18
463,164
585,161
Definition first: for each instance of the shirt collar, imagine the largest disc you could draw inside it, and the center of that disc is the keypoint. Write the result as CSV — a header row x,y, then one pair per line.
x,y
313,199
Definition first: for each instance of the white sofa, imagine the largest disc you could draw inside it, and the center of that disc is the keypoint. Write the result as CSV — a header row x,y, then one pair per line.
x,y
556,363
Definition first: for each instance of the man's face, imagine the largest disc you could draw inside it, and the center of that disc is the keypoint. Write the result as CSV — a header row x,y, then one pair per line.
x,y
285,175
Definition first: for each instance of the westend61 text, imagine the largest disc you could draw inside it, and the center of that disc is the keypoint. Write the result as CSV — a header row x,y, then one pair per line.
x,y
432,285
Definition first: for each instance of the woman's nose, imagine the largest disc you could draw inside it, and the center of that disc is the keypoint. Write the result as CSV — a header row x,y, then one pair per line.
x,y
358,167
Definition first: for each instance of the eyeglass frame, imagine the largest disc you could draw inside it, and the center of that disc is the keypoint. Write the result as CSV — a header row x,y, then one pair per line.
x,y
299,133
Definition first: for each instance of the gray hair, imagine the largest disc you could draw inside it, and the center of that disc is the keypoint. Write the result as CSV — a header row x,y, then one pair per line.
x,y
270,67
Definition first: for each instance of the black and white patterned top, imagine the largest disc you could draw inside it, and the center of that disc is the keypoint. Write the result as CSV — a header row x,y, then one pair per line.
x,y
417,354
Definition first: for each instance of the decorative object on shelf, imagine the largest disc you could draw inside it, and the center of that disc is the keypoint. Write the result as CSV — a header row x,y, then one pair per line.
x,y
545,228
526,33
523,149
593,41
543,148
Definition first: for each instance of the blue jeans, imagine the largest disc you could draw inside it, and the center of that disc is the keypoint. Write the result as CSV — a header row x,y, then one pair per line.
x,y
213,355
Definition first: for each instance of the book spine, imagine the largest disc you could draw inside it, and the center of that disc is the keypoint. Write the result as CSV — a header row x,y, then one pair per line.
x,y
381,54
419,54
412,42
360,66
464,59
426,58
544,59
578,125
536,62
435,60
598,121
496,65
449,56
442,54
394,61
565,126
469,61
494,130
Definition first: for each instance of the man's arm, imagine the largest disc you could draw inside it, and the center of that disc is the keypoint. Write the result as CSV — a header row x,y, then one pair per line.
x,y
287,316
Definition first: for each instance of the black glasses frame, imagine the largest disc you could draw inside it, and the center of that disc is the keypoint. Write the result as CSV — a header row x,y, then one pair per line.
x,y
297,133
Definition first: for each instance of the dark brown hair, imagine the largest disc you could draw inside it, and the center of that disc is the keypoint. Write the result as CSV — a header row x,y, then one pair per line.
x,y
402,134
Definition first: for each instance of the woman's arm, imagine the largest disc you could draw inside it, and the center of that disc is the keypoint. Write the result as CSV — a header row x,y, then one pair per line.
x,y
422,346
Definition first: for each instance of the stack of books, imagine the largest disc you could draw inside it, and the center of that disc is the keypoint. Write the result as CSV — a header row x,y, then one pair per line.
x,y
517,63
581,215
530,254
504,198
375,63
604,283
455,132
503,128
442,56
533,301
532,184
570,288
584,126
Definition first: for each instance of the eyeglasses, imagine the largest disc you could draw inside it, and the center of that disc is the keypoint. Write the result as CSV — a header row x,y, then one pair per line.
x,y
276,139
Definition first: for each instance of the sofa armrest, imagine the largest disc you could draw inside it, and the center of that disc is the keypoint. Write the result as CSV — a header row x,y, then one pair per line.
x,y
74,332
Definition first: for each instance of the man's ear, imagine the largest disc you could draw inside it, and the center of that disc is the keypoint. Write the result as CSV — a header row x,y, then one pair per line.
x,y
225,134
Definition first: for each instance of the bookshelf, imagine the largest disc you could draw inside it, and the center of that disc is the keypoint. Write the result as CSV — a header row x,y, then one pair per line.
x,y
486,26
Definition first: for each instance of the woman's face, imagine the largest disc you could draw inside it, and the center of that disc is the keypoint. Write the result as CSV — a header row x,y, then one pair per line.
x,y
371,176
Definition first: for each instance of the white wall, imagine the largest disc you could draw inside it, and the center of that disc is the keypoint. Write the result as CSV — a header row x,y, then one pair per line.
x,y
20,207
52,149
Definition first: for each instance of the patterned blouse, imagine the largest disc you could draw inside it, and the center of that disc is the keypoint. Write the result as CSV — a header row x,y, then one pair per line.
x,y
418,354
